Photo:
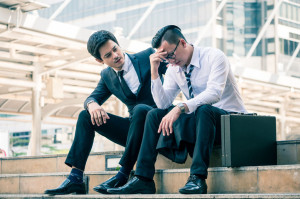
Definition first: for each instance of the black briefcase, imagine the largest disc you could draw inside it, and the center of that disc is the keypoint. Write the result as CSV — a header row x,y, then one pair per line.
x,y
248,140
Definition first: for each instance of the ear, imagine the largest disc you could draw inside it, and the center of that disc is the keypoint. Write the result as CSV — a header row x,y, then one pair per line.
x,y
99,60
183,42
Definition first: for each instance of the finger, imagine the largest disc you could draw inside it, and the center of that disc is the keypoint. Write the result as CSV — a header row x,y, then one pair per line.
x,y
162,56
94,115
98,118
163,129
103,115
160,51
159,128
167,129
106,115
171,127
92,118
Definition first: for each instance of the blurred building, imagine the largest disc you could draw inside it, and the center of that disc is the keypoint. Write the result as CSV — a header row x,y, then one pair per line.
x,y
233,30
47,73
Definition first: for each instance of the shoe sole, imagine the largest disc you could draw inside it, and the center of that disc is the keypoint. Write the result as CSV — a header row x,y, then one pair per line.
x,y
101,191
137,192
54,194
192,192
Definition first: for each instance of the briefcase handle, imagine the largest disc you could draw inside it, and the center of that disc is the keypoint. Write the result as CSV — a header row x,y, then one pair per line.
x,y
234,113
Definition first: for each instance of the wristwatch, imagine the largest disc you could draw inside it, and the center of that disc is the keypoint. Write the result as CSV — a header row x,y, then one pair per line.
x,y
181,107
87,104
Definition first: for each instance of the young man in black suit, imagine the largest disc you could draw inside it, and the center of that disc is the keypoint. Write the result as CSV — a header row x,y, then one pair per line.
x,y
128,77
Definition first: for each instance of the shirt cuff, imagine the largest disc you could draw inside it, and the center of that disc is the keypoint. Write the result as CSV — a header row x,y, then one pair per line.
x,y
191,105
155,80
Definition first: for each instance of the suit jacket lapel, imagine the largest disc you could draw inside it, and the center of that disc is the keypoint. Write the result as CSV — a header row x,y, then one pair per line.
x,y
115,81
136,66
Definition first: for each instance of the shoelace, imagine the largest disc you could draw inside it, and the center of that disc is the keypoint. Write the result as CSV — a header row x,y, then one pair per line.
x,y
192,178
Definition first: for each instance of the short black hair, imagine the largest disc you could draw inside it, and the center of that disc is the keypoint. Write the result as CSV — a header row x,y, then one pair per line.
x,y
97,39
169,33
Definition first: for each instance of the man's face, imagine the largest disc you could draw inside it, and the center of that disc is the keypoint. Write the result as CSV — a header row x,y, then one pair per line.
x,y
175,53
112,55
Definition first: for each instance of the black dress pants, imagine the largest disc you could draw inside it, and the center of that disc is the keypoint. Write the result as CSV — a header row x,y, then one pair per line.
x,y
208,130
127,132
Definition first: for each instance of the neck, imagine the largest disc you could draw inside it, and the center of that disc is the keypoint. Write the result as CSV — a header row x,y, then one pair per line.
x,y
190,50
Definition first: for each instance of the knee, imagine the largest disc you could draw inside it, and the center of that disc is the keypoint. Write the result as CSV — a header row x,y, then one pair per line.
x,y
203,111
140,111
154,115
83,116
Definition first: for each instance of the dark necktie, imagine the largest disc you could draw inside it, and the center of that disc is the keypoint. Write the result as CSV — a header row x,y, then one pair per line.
x,y
188,79
126,90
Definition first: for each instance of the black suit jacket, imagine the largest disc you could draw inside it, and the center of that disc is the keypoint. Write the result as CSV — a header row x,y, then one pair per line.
x,y
109,83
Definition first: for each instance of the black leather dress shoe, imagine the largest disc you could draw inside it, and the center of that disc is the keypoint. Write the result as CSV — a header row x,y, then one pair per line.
x,y
110,183
135,186
194,185
67,187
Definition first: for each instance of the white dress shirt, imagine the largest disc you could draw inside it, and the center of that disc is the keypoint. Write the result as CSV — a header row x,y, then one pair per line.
x,y
212,81
130,75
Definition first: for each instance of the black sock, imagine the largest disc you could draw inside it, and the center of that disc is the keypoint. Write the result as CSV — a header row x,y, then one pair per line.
x,y
123,174
201,176
144,178
76,176
125,171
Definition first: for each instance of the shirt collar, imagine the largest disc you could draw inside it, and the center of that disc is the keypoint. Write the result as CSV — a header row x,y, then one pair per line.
x,y
195,59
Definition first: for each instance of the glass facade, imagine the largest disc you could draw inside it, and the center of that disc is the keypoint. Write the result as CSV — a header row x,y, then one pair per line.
x,y
235,29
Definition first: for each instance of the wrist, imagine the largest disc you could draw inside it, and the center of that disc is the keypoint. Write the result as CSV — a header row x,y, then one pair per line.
x,y
89,103
181,107
154,76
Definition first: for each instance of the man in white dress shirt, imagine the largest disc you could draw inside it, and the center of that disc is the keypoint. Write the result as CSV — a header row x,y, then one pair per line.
x,y
205,78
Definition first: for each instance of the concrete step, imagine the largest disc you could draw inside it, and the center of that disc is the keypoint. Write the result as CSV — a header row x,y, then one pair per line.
x,y
288,152
261,179
161,196
104,161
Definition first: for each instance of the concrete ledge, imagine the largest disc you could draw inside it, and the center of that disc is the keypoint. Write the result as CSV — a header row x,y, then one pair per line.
x,y
288,152
262,179
95,162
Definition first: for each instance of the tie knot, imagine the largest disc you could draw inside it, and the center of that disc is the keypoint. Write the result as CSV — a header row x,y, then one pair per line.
x,y
120,73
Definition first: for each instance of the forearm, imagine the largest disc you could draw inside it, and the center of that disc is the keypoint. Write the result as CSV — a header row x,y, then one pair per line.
x,y
161,97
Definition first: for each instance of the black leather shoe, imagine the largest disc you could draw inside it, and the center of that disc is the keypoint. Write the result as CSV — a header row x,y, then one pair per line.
x,y
110,183
194,185
67,187
135,186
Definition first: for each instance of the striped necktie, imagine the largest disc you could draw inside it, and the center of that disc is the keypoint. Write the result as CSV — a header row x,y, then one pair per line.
x,y
188,79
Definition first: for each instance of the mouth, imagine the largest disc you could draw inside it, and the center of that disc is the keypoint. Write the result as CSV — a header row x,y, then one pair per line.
x,y
177,63
117,60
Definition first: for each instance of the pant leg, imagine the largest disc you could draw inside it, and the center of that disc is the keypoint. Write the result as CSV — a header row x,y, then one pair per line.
x,y
146,159
135,135
208,122
115,129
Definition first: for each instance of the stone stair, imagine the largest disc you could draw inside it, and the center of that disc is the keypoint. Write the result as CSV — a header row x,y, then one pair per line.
x,y
161,196
28,177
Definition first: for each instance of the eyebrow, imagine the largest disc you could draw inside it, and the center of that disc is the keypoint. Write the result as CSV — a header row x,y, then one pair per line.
x,y
110,51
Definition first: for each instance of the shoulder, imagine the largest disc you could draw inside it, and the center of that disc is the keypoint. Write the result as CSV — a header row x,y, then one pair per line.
x,y
105,71
212,54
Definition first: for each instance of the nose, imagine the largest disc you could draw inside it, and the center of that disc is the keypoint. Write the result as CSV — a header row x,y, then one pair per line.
x,y
115,55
